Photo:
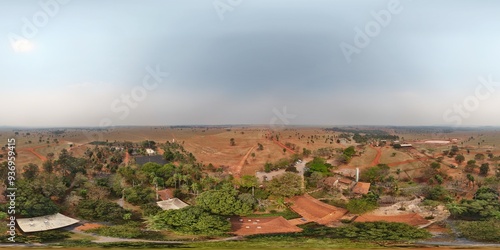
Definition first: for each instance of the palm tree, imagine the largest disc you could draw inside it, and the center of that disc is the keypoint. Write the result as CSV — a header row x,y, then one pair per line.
x,y
195,187
280,203
177,177
455,209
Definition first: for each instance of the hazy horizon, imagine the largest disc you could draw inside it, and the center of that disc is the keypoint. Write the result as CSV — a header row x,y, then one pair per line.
x,y
183,62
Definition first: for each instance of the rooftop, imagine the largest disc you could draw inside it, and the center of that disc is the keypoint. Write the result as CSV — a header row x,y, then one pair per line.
x,y
45,223
361,188
170,204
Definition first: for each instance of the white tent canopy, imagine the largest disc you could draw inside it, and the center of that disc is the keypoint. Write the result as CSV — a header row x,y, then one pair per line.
x,y
170,204
45,223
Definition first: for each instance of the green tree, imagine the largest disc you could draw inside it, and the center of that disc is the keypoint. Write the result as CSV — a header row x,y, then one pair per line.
x,y
437,193
435,165
30,171
287,185
306,152
101,210
479,157
139,195
190,220
375,174
484,169
224,201
459,158
319,164
31,201
360,206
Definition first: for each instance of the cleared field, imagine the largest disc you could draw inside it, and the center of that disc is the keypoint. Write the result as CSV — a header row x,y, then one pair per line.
x,y
212,145
390,155
365,160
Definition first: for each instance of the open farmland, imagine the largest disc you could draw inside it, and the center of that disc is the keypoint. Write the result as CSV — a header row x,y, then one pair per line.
x,y
212,145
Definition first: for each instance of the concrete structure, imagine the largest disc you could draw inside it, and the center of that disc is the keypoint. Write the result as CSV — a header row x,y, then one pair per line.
x,y
340,183
171,204
436,142
45,223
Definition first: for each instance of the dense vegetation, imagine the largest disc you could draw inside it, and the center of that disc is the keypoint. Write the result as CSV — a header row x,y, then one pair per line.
x,y
190,220
369,231
485,205
485,231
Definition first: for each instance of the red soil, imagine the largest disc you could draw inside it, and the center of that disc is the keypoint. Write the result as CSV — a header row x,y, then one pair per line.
x,y
410,219
238,168
285,147
376,161
315,210
88,226
33,151
249,226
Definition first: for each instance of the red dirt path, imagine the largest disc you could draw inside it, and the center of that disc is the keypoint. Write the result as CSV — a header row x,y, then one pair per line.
x,y
33,151
376,161
285,147
127,158
237,171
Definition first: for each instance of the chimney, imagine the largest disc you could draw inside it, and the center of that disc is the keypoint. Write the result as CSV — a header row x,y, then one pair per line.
x,y
357,174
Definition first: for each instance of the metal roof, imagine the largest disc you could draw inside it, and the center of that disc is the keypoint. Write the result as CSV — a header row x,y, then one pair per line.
x,y
45,223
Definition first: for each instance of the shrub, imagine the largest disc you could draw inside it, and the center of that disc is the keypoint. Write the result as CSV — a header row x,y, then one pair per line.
x,y
486,231
360,206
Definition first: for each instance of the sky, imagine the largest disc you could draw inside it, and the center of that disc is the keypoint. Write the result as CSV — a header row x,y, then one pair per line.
x,y
277,62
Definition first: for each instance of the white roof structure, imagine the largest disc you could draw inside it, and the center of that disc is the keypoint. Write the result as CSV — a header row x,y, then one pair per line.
x,y
437,142
45,223
170,204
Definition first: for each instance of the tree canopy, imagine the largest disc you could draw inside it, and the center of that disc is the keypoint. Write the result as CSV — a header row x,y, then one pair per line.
x,y
224,202
191,220
287,185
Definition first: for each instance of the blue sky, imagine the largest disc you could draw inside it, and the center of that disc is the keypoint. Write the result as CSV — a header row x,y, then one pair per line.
x,y
82,57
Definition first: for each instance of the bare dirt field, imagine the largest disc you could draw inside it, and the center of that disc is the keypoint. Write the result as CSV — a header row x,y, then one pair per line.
x,y
212,145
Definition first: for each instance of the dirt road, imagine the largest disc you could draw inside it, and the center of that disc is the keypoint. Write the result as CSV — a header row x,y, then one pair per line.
x,y
237,170
33,151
